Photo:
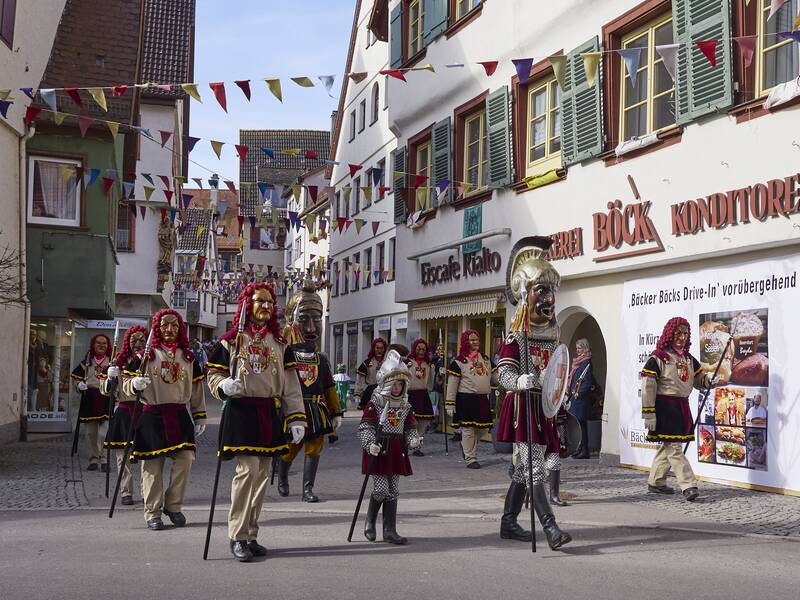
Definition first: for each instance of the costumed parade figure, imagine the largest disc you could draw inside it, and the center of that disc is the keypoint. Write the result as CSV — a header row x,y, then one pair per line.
x,y
93,412
368,370
469,380
386,432
263,401
173,412
531,283
132,348
323,414
342,382
420,386
668,377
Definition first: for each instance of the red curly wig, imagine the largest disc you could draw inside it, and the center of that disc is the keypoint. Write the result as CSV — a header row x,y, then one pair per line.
x,y
463,345
376,341
665,341
183,337
126,352
413,354
96,337
246,299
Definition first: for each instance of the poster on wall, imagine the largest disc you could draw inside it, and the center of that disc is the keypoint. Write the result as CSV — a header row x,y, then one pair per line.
x,y
743,318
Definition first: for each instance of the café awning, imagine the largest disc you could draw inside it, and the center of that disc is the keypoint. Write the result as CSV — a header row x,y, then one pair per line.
x,y
476,304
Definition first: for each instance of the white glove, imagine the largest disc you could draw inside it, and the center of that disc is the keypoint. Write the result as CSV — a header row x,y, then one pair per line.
x,y
232,388
650,422
441,370
416,443
298,431
199,429
82,386
374,449
113,372
450,409
526,382
139,383
337,422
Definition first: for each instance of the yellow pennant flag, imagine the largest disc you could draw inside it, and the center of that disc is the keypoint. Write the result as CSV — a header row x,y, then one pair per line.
x,y
591,60
466,187
148,191
4,94
59,118
191,89
67,173
367,191
559,64
309,222
99,96
796,22
303,81
428,67
296,190
200,230
359,224
347,191
217,146
112,127
291,151
179,179
274,85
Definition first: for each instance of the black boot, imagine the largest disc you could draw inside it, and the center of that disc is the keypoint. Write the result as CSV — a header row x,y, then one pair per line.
x,y
509,528
390,523
372,516
309,475
583,449
283,477
241,551
555,537
555,483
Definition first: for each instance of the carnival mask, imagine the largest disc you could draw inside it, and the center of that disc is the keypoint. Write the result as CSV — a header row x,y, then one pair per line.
x,y
100,346
380,350
680,337
169,328
137,342
262,306
309,321
542,298
474,343
422,350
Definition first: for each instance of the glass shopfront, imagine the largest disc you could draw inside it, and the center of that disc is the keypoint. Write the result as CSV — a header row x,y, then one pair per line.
x,y
48,381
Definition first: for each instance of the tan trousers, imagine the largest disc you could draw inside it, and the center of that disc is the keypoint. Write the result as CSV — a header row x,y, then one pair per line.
x,y
126,486
469,443
312,448
247,496
671,455
95,434
422,426
155,499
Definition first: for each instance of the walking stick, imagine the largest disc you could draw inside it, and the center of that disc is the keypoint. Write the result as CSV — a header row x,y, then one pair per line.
x,y
442,408
223,421
134,416
111,393
529,423
370,466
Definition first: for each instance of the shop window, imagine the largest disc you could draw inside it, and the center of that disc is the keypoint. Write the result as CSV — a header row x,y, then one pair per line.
x,y
650,105
420,158
54,193
338,350
475,163
367,268
376,102
8,13
415,30
778,58
352,353
48,374
381,262
126,227
544,126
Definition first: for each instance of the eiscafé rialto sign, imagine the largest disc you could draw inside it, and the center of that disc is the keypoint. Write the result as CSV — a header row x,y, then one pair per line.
x,y
471,265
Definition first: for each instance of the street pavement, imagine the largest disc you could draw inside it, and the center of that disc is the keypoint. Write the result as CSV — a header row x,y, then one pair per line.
x,y
57,539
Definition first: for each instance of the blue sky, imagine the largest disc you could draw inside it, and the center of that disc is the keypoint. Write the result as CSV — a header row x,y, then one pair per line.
x,y
253,39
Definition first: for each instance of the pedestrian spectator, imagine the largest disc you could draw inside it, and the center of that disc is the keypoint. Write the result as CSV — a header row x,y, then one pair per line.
x,y
200,354
581,379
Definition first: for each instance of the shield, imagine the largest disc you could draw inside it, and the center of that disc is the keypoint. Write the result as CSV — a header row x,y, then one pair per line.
x,y
554,381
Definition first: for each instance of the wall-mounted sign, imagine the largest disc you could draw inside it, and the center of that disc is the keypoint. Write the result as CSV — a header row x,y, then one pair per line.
x,y
352,328
473,223
384,323
566,244
627,226
472,265
368,326
400,321
338,329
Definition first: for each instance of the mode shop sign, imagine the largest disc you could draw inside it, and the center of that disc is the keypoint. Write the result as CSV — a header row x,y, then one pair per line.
x,y
471,266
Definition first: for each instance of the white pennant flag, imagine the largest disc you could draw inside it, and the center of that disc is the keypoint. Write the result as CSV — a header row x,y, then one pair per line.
x,y
49,96
669,54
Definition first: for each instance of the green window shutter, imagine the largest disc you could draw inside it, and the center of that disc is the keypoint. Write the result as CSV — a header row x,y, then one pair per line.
x,y
498,138
399,184
700,88
441,149
581,109
435,19
396,36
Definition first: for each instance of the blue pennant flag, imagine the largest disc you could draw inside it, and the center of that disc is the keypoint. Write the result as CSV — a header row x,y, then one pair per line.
x,y
90,177
148,177
187,198
269,152
127,189
4,104
376,176
632,57
190,142
28,92
263,187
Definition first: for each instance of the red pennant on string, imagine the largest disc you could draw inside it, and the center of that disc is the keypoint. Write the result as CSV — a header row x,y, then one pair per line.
x,y
747,44
311,154
163,214
143,211
375,225
419,180
347,224
165,180
230,185
340,221
242,151
168,194
30,114
382,191
219,94
396,73
354,169
709,50
312,191
75,95
490,66
165,135
107,183
84,123
244,85
119,90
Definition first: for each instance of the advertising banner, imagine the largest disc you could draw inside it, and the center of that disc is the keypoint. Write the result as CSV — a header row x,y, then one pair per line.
x,y
749,430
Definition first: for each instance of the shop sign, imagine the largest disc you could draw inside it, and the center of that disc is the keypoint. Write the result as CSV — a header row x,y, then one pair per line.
x,y
628,226
472,265
384,323
352,328
111,324
566,244
338,329
367,326
401,321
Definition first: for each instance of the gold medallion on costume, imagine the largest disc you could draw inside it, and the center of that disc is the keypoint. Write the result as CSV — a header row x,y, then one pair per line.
x,y
308,373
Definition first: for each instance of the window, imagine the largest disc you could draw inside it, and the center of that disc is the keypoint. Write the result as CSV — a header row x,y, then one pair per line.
x,y
356,193
416,29
544,123
378,195
376,102
777,57
423,166
126,225
346,276
336,207
650,106
179,299
298,247
213,304
381,262
356,275
205,297
8,12
362,115
475,155
352,125
369,36
336,279
391,258
54,195
368,267
464,6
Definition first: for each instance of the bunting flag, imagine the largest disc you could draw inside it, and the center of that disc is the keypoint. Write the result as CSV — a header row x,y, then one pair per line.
x,y
359,224
303,81
4,94
4,104
347,191
148,191
358,77
165,135
198,181
790,35
419,180
354,169
774,7
242,150
396,73
631,57
217,146
747,44
377,175
119,90
291,151
75,95
112,127
165,180
92,176
127,191
262,188
382,191
186,198
168,195
559,64
669,55
274,85
84,123
523,67
327,82
311,154
347,224
30,114
309,225
99,97
191,89
49,98
312,192
296,190
244,85
340,221
219,93
591,61
269,152
230,185
143,211
709,50
367,192
27,91
191,142
200,230
428,67
149,178
375,225
58,119
107,183
796,24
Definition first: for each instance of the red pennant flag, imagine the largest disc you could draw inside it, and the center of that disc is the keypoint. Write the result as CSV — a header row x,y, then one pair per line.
x,y
30,114
143,210
244,85
347,224
396,73
168,194
163,214
709,50
165,180
382,190
242,150
419,180
312,191
165,135
375,225
230,185
75,95
219,94
84,123
311,256
119,90
107,183
311,154
747,44
490,66
354,169
340,221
